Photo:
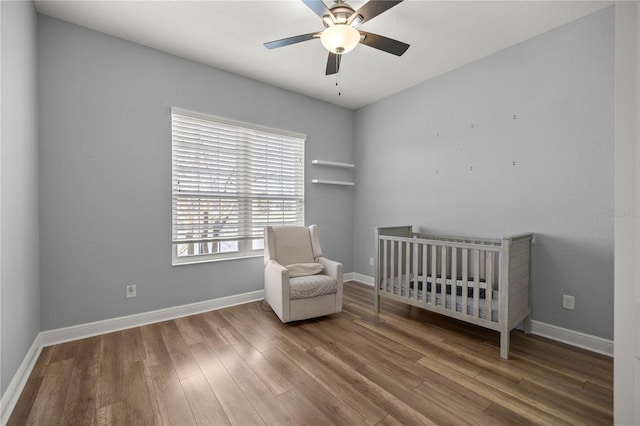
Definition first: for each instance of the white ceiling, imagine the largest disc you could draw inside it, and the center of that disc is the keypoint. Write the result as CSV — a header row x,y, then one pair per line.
x,y
229,35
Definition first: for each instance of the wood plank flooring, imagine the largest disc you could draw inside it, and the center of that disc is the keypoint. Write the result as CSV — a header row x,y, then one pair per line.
x,y
241,365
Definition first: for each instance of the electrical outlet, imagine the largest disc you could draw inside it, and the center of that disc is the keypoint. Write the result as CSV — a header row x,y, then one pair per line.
x,y
131,291
371,261
568,302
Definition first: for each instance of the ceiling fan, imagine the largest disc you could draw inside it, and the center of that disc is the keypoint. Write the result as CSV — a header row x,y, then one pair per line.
x,y
341,34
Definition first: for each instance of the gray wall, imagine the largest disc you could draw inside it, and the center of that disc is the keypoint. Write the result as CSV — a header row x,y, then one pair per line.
x,y
105,173
20,287
440,156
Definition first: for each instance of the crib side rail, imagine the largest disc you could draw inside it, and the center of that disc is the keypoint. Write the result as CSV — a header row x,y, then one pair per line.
x,y
458,277
473,240
488,245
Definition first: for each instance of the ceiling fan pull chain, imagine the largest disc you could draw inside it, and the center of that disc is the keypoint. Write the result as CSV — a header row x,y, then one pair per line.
x,y
338,76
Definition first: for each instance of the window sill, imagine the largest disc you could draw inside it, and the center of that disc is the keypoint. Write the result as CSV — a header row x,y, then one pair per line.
x,y
210,260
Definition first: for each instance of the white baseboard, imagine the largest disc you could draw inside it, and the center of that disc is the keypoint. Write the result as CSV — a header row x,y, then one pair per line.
x,y
354,276
76,332
11,395
573,338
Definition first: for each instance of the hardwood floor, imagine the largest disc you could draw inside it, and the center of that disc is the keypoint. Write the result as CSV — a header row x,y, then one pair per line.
x,y
241,365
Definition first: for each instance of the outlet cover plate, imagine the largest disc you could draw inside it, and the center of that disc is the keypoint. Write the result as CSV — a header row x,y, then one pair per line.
x,y
131,291
568,302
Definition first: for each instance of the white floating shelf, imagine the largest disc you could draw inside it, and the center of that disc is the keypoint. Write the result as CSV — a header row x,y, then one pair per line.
x,y
333,182
332,164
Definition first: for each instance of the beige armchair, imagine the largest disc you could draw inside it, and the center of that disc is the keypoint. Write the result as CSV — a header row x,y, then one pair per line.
x,y
299,283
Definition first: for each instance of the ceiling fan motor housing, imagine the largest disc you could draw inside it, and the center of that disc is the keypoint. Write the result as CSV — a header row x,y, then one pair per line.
x,y
341,11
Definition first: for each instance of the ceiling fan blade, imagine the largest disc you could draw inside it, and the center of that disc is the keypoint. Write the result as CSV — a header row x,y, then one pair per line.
x,y
319,8
291,40
385,44
333,64
371,9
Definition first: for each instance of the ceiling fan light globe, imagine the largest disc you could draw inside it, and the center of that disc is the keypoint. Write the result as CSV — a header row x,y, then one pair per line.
x,y
340,38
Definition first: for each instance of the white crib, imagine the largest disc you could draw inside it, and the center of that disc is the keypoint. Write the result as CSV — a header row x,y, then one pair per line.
x,y
491,278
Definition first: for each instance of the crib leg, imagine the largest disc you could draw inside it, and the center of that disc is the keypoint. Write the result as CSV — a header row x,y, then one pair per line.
x,y
504,344
376,303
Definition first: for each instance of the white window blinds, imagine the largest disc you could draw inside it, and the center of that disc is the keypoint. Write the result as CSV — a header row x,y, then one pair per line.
x,y
232,179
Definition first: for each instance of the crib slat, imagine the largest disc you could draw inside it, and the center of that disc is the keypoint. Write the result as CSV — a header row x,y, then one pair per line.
x,y
424,272
385,263
489,283
443,301
392,264
434,274
465,279
454,275
476,283
399,268
443,279
415,270
407,269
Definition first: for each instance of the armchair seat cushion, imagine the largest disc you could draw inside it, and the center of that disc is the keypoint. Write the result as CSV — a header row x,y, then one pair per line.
x,y
312,286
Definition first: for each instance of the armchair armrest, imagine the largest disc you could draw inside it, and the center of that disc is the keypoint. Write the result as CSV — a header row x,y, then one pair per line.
x,y
331,268
334,269
276,274
276,288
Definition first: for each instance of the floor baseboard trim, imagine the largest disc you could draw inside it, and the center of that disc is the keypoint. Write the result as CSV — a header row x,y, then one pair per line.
x,y
354,276
573,338
76,332
13,391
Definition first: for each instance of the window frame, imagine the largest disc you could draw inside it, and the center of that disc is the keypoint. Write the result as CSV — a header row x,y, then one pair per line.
x,y
246,197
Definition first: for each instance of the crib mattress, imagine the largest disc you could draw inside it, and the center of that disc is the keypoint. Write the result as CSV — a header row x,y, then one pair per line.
x,y
398,290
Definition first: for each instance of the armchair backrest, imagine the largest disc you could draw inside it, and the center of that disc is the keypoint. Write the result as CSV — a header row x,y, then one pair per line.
x,y
291,244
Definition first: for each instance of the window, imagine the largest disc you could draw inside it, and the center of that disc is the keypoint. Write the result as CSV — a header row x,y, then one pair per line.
x,y
230,180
